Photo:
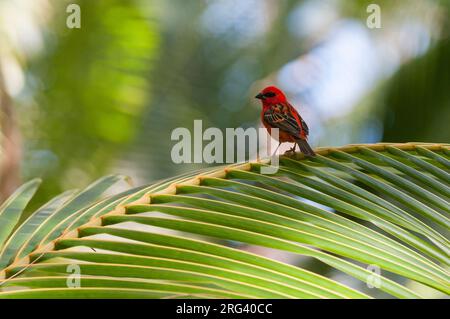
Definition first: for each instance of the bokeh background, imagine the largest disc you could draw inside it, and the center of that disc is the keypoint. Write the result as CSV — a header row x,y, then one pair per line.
x,y
77,104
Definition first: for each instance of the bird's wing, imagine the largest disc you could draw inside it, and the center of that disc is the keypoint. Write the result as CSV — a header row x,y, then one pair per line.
x,y
284,121
304,126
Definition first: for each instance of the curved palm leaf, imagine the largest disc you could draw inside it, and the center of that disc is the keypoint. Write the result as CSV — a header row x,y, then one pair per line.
x,y
383,205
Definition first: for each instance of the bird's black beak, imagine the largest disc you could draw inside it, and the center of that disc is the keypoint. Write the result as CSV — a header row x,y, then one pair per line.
x,y
260,96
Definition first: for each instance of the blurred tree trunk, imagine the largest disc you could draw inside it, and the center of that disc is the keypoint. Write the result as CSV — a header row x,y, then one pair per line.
x,y
10,151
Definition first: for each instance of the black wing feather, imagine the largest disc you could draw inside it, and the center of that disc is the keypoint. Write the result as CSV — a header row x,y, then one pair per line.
x,y
284,122
305,127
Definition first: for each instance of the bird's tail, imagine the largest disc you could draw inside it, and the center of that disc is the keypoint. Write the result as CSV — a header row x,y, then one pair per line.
x,y
305,148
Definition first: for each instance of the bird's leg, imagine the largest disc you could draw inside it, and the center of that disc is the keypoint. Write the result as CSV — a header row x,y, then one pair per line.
x,y
292,149
276,149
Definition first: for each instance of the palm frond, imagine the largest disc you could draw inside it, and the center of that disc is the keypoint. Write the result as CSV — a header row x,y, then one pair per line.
x,y
380,205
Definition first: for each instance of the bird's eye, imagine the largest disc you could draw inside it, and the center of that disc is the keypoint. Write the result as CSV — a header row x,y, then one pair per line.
x,y
269,94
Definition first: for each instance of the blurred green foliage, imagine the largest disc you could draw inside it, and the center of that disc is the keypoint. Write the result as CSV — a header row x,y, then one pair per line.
x,y
90,88
417,99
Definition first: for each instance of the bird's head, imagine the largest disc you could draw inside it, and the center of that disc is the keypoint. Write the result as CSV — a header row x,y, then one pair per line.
x,y
271,95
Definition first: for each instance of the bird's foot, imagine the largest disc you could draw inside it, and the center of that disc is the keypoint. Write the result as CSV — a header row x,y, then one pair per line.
x,y
290,151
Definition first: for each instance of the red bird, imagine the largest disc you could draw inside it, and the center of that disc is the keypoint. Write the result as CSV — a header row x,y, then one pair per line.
x,y
278,113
